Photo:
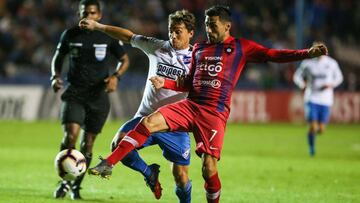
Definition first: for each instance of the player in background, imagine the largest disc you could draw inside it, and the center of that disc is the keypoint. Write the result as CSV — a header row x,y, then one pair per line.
x,y
170,59
85,102
215,68
318,77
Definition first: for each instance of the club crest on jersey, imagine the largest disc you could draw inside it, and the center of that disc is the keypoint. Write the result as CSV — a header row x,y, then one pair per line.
x,y
169,71
100,51
187,59
229,50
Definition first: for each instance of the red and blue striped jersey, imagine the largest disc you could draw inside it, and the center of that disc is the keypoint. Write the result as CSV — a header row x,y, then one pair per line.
x,y
215,69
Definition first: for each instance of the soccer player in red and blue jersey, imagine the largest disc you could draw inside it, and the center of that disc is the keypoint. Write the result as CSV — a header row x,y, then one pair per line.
x,y
215,68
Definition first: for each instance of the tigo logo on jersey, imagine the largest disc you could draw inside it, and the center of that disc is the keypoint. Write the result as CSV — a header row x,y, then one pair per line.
x,y
169,71
100,51
212,69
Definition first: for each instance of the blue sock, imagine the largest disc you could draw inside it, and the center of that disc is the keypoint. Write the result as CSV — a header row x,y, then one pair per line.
x,y
135,162
311,142
184,194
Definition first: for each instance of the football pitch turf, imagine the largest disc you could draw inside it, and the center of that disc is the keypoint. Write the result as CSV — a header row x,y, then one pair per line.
x,y
260,163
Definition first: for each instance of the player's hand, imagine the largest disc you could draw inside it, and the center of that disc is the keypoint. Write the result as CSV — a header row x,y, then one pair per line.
x,y
318,49
157,81
88,24
304,87
111,83
56,84
324,87
180,82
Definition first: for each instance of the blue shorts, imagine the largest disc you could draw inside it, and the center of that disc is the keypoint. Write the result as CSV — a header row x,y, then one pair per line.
x,y
317,112
175,145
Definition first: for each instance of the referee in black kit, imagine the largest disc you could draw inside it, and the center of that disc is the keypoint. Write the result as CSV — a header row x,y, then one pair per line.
x,y
85,102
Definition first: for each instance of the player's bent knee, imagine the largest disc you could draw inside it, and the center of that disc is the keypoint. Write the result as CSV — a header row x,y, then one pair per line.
x,y
116,140
208,171
154,122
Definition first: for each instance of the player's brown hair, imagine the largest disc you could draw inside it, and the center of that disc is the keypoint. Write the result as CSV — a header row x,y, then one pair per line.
x,y
183,16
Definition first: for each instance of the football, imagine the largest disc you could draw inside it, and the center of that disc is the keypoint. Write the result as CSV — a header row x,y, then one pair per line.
x,y
70,164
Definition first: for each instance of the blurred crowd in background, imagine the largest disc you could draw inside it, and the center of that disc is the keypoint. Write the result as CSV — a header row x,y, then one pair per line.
x,y
30,31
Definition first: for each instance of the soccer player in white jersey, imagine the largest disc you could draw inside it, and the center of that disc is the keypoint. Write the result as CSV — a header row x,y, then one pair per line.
x,y
170,59
318,77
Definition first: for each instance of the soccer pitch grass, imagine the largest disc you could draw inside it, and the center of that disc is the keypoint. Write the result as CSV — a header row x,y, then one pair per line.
x,y
260,163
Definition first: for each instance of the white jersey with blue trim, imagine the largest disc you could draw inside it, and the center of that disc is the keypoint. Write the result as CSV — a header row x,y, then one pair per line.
x,y
314,74
164,61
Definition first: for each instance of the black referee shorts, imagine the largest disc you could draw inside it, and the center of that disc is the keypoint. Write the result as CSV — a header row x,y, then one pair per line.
x,y
90,114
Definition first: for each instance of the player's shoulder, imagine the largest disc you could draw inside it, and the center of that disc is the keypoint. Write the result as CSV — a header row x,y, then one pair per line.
x,y
73,30
329,59
307,63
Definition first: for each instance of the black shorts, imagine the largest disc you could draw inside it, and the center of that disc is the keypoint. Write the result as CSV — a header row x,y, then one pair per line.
x,y
89,112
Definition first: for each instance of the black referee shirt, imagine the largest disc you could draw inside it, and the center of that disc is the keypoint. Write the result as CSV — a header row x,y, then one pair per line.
x,y
89,53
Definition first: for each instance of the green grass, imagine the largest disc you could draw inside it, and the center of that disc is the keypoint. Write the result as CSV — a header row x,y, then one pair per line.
x,y
260,163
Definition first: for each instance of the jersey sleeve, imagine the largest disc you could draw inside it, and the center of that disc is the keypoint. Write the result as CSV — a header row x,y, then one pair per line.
x,y
171,84
63,45
146,44
259,54
337,75
116,49
299,75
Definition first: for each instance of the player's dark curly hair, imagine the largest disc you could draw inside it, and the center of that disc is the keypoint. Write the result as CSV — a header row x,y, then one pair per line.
x,y
87,3
183,16
219,10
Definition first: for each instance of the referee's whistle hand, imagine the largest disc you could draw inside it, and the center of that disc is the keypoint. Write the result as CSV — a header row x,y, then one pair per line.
x,y
87,24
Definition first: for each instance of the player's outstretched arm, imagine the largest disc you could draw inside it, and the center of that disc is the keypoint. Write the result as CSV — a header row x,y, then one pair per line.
x,y
113,31
260,54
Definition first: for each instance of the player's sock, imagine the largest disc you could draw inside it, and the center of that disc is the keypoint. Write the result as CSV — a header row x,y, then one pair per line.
x,y
132,139
62,147
213,189
77,182
311,142
184,193
75,188
135,162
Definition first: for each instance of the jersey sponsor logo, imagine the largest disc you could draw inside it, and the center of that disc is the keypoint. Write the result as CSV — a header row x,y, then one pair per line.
x,y
100,51
210,83
213,58
211,69
169,71
319,76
